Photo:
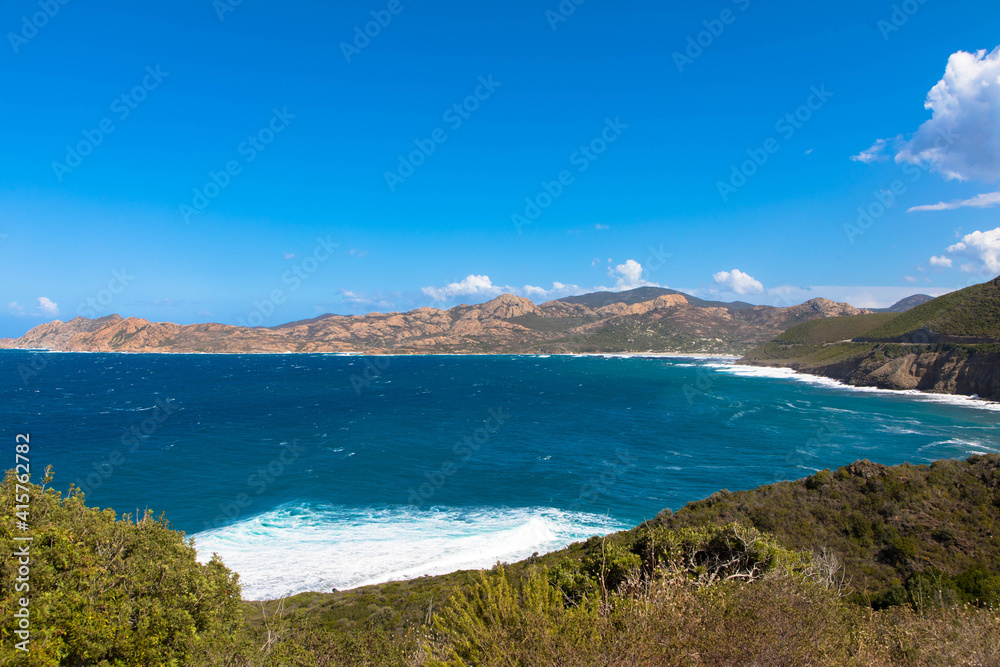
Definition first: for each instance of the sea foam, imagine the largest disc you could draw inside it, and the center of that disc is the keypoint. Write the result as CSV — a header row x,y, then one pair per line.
x,y
305,547
789,374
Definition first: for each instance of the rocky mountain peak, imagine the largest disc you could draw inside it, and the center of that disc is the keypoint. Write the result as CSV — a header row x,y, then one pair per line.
x,y
507,306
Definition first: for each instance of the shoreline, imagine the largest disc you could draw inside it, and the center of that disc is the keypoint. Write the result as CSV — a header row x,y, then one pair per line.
x,y
786,372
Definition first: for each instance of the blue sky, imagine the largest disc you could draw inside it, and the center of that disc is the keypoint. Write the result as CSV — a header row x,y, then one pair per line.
x,y
263,162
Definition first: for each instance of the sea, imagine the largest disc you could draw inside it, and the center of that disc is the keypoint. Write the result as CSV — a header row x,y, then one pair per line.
x,y
315,472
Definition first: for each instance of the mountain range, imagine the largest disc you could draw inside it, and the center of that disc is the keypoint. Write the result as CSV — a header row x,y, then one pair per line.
x,y
646,319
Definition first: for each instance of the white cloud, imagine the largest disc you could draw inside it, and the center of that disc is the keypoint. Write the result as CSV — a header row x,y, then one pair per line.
x,y
880,296
288,255
599,226
983,247
539,294
352,297
472,285
869,296
941,262
377,300
874,154
987,200
482,286
47,307
910,279
962,138
738,282
627,276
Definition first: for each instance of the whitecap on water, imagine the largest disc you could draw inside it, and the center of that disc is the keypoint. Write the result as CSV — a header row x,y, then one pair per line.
x,y
298,548
789,374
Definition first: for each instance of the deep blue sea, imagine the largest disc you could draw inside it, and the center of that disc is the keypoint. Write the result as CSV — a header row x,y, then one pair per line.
x,y
312,472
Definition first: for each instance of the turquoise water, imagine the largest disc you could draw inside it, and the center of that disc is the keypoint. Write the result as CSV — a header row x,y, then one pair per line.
x,y
307,472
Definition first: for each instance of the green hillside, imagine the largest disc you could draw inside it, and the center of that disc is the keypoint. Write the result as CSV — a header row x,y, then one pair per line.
x,y
973,311
955,336
834,329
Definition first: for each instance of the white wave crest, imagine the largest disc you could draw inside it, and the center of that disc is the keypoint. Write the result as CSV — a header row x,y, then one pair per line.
x,y
298,548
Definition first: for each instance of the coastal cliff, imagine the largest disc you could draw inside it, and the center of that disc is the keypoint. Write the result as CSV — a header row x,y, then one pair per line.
x,y
940,369
949,345
957,370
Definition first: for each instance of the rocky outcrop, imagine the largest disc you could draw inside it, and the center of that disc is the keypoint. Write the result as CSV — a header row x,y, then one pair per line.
x,y
660,302
945,369
505,306
951,370
865,469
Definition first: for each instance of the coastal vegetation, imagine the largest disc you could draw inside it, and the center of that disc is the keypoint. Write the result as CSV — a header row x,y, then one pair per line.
x,y
972,312
863,565
833,329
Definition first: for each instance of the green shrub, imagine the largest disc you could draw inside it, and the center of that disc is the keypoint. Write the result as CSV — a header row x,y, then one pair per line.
x,y
507,620
818,480
899,551
860,529
979,586
112,592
